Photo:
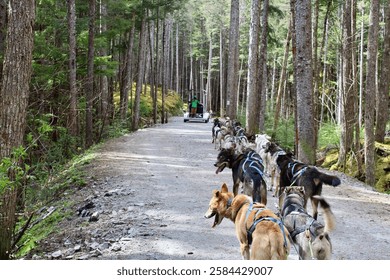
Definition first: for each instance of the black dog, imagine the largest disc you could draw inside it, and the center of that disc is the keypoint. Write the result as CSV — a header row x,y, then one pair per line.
x,y
216,127
295,173
246,168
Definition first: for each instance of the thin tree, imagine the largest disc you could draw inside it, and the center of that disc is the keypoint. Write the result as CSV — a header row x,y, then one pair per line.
x,y
165,65
208,83
262,71
89,89
369,112
127,77
252,100
3,28
73,122
382,112
347,94
222,87
282,79
104,94
141,74
304,83
232,65
14,94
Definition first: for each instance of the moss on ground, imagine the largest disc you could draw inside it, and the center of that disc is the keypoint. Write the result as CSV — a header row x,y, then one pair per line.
x,y
382,166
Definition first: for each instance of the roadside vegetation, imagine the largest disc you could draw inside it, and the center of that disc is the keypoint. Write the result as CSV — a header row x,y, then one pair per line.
x,y
54,168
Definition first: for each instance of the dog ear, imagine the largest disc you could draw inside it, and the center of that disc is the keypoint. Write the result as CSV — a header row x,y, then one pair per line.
x,y
224,188
216,193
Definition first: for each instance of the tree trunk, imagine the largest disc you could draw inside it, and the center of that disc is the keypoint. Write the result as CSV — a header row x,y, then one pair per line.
x,y
252,99
73,122
208,83
165,63
347,95
3,33
369,114
89,89
304,83
14,95
356,145
177,60
221,73
104,94
232,66
127,75
152,70
382,113
141,74
262,71
324,54
282,80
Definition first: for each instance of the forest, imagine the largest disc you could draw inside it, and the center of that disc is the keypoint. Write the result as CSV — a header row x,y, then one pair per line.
x,y
312,74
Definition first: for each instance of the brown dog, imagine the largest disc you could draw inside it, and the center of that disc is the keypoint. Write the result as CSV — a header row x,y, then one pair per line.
x,y
261,234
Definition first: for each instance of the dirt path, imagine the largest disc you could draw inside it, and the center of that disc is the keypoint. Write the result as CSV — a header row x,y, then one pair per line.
x,y
151,189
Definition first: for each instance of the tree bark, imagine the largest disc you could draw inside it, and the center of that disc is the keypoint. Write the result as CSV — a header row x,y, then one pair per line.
x,y
89,89
262,71
369,114
3,29
141,74
127,76
252,100
282,80
232,66
14,94
207,97
347,95
104,94
221,73
382,113
304,83
73,122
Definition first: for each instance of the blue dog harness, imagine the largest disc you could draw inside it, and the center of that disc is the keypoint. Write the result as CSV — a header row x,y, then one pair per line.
x,y
257,220
253,161
295,175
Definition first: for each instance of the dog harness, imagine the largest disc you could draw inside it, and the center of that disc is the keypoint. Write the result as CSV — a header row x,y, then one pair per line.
x,y
257,220
307,226
295,175
253,161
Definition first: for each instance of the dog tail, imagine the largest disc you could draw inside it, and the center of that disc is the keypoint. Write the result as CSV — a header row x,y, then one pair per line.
x,y
329,179
329,218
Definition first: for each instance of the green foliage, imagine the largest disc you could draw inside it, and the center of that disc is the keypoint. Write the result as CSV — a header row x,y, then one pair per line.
x,y
329,134
285,133
38,232
13,172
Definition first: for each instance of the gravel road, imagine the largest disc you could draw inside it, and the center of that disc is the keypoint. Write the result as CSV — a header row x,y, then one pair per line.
x,y
150,190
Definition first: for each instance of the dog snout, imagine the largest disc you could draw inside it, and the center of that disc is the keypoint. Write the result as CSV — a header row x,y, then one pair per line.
x,y
210,213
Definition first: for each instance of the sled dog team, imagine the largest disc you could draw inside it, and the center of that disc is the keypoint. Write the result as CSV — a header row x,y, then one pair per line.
x,y
262,233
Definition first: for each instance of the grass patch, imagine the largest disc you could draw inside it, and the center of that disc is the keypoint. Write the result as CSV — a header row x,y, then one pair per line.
x,y
69,179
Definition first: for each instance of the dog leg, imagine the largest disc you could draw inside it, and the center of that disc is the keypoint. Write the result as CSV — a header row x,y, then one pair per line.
x,y
244,251
235,188
314,205
277,185
272,179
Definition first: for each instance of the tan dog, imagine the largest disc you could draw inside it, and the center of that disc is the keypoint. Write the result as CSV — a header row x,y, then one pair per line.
x,y
261,234
311,237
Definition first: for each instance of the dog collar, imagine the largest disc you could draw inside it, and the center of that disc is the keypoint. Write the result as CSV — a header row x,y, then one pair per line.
x,y
229,202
